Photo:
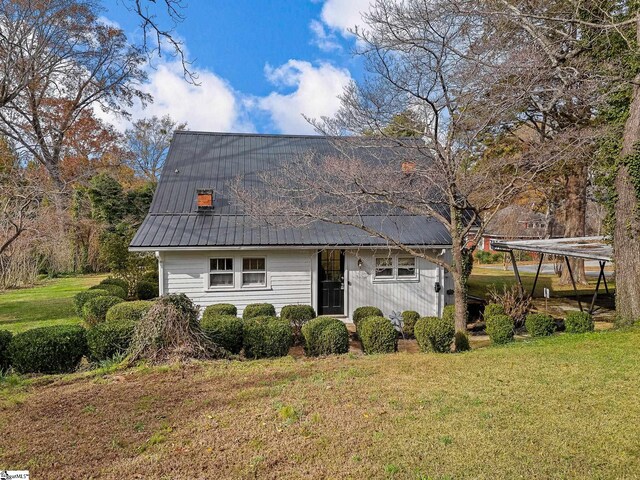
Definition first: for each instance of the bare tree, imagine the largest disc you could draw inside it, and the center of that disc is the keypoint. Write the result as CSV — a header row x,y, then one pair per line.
x,y
149,140
99,69
426,58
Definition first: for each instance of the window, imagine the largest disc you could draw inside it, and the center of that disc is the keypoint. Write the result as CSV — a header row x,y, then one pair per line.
x,y
384,267
406,267
221,272
254,272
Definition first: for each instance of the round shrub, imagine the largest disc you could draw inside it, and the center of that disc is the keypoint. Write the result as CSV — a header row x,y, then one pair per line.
x,y
56,349
297,316
109,339
539,325
259,310
500,328
325,336
114,290
493,309
266,337
578,322
377,335
461,342
83,297
5,340
224,330
435,334
95,310
133,311
449,313
361,313
116,281
221,309
146,290
409,319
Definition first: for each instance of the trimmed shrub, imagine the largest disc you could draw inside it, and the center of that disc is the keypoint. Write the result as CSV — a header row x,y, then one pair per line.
x,y
578,322
95,310
83,297
449,313
132,311
539,325
114,290
109,339
361,313
435,334
146,290
492,309
5,340
221,309
224,330
500,328
461,342
116,281
377,335
409,319
265,337
56,349
259,310
297,316
325,336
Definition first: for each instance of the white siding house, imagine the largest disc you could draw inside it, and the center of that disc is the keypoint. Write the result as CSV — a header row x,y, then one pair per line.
x,y
210,250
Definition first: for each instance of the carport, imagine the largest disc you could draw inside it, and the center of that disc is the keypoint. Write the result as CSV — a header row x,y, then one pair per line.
x,y
587,248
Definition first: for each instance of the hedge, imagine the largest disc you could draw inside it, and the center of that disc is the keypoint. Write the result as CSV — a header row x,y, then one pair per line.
x,y
435,334
361,313
500,328
325,336
55,349
83,297
539,325
409,319
266,337
114,290
116,281
133,311
5,340
578,322
146,290
493,309
221,309
297,316
259,310
377,335
224,330
95,310
109,339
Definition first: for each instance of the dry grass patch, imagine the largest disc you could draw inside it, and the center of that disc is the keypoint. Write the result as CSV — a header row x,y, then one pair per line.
x,y
552,408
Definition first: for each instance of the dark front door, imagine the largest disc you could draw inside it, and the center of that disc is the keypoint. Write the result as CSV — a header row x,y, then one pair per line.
x,y
331,278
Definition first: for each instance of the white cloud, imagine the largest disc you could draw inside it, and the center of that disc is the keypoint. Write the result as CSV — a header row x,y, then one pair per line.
x,y
212,105
315,94
323,39
343,15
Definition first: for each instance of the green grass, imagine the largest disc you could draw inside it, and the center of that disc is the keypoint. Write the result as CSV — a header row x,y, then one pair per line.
x,y
561,407
50,303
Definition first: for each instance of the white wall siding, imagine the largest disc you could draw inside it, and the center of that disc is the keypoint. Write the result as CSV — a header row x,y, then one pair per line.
x,y
289,277
393,295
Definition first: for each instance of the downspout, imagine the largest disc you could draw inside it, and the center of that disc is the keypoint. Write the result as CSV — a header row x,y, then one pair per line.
x,y
443,289
161,289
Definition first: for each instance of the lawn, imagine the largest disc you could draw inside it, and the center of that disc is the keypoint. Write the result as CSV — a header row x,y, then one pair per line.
x,y
50,303
562,407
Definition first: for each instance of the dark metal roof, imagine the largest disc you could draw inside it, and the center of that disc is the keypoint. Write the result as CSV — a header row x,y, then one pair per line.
x,y
199,160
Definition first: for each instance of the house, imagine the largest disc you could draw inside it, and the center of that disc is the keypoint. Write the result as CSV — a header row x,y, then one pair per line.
x,y
514,222
210,250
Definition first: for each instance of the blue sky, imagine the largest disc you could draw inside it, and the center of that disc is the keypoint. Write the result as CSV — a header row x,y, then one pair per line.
x,y
262,64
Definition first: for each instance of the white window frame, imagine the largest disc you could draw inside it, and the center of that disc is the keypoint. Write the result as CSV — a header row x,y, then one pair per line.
x,y
415,268
394,270
264,272
221,272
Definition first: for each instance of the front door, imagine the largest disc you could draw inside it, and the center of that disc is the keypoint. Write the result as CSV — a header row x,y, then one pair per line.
x,y
331,279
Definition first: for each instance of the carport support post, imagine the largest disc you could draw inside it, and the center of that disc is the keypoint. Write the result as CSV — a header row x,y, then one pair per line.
x,y
604,278
573,282
535,280
595,294
516,272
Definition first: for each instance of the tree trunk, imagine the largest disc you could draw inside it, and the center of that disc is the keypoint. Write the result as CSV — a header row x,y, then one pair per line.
x,y
460,273
575,216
